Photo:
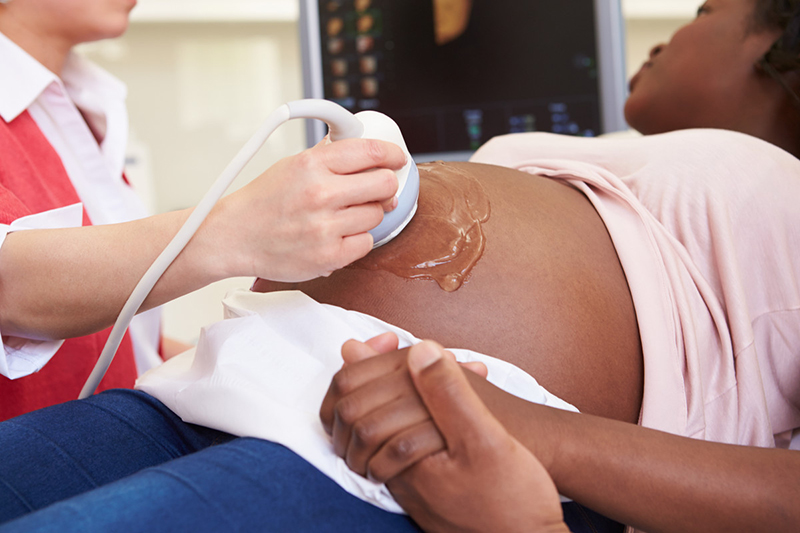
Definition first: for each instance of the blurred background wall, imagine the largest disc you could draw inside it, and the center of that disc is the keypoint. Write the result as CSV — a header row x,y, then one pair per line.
x,y
203,74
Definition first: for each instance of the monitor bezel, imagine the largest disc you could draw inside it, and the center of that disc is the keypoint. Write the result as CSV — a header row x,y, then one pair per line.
x,y
610,27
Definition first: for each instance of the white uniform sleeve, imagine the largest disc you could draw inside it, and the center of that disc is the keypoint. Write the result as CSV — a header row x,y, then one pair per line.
x,y
21,357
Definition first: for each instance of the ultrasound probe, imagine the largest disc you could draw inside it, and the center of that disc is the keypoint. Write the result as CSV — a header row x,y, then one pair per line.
x,y
342,125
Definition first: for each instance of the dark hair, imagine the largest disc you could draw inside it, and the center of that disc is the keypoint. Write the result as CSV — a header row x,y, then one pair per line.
x,y
785,15
774,13
784,55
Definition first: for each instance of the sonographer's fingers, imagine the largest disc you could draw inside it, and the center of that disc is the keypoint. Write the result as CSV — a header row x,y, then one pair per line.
x,y
353,248
372,186
349,156
352,156
303,218
357,219
390,204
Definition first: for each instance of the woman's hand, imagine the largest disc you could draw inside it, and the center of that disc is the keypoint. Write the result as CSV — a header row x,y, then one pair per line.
x,y
309,214
373,410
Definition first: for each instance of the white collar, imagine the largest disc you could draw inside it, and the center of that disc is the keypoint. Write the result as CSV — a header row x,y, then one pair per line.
x,y
23,80
93,90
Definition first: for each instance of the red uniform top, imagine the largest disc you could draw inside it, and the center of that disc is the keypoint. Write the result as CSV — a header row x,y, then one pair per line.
x,y
32,180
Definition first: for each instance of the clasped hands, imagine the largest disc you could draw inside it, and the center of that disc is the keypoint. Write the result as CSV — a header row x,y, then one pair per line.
x,y
411,419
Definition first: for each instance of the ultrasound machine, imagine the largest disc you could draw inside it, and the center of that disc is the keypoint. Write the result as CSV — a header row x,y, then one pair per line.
x,y
455,73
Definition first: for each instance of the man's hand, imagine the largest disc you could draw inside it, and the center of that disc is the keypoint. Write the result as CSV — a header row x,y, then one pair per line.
x,y
485,480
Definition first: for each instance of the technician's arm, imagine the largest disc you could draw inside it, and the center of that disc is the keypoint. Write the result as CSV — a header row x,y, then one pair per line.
x,y
304,217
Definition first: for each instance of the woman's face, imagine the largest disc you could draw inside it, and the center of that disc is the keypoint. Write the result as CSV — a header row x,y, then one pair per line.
x,y
705,76
74,21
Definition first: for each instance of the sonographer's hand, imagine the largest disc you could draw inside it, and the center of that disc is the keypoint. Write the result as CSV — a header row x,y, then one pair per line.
x,y
309,214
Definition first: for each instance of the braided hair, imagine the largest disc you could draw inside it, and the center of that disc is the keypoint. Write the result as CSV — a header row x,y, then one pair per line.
x,y
784,55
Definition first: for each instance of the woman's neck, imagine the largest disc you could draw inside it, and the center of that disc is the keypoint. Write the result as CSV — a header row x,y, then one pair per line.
x,y
49,50
784,131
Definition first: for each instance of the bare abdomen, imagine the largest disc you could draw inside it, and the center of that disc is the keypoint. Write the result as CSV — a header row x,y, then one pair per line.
x,y
548,295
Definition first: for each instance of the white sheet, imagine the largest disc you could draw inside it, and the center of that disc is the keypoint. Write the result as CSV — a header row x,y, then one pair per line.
x,y
264,371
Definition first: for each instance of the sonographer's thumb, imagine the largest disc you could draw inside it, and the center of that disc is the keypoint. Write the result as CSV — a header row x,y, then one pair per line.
x,y
456,409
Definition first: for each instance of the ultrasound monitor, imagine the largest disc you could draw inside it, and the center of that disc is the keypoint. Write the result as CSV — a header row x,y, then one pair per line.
x,y
455,73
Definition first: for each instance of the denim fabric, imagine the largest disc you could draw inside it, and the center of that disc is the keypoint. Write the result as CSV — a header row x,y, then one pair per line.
x,y
245,485
70,448
120,461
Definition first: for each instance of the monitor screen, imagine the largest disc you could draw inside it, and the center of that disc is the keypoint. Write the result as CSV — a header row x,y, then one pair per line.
x,y
455,73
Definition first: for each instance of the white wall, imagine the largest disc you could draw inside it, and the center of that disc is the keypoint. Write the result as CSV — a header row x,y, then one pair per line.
x,y
201,76
196,93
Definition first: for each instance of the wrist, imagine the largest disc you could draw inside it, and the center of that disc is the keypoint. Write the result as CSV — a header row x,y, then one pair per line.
x,y
535,426
216,247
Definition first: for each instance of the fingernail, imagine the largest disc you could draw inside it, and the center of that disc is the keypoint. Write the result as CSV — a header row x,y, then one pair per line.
x,y
423,355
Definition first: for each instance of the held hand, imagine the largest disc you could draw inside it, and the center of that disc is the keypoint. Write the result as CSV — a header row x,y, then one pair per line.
x,y
373,412
485,480
370,402
309,214
354,351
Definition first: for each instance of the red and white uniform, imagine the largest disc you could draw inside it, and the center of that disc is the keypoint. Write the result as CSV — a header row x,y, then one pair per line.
x,y
50,159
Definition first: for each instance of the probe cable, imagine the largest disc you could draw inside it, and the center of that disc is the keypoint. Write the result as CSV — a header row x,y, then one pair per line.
x,y
342,125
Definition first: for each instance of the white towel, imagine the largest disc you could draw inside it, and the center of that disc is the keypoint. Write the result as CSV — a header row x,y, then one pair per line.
x,y
264,370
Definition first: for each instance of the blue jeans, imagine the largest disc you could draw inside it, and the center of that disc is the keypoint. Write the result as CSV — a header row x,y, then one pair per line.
x,y
121,461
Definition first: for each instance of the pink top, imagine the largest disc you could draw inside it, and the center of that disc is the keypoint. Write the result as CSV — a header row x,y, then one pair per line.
x,y
706,224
